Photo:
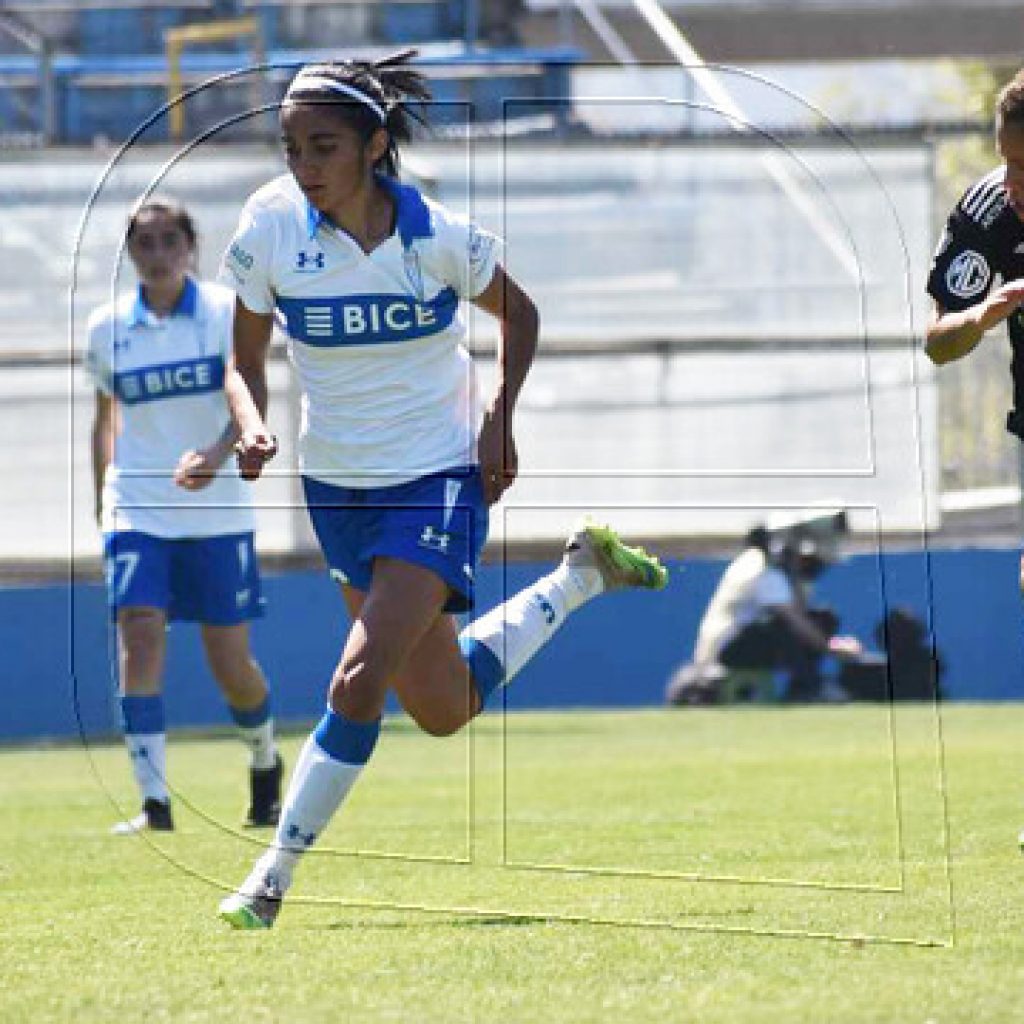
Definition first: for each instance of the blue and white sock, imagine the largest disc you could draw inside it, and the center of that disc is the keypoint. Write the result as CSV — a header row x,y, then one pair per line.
x,y
328,766
145,736
256,730
498,644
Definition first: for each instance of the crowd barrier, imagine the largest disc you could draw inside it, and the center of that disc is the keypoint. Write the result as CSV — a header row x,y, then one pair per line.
x,y
616,652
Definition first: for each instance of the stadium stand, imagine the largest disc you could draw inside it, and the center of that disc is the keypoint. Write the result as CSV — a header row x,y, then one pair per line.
x,y
75,73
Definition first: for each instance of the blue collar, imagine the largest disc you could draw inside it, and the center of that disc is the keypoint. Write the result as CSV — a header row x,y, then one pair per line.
x,y
185,306
412,218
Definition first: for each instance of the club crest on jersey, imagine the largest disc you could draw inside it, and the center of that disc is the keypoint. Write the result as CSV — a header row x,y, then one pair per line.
x,y
309,263
968,275
480,246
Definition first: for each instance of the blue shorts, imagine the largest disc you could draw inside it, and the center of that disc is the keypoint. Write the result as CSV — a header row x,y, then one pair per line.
x,y
438,522
213,580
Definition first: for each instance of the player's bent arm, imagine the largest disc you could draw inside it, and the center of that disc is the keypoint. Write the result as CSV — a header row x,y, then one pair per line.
x,y
953,335
520,326
520,323
245,388
102,445
245,382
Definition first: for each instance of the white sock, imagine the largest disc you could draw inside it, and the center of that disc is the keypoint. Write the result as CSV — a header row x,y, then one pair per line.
x,y
516,630
319,785
148,752
260,741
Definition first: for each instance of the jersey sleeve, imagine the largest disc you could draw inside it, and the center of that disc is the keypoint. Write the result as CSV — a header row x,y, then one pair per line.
x,y
963,267
222,306
246,266
471,254
99,345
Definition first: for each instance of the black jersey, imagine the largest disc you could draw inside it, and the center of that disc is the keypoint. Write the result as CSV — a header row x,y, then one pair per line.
x,y
983,240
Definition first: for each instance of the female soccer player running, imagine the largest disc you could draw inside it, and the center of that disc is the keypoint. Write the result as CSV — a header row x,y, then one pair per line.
x,y
177,521
367,276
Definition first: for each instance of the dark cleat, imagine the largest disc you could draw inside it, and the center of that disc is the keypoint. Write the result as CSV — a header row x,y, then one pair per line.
x,y
155,817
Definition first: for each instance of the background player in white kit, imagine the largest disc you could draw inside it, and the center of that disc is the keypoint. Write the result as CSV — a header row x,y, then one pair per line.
x,y
367,276
177,521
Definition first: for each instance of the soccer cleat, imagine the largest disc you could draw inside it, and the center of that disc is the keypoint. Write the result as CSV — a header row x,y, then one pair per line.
x,y
265,795
154,817
593,545
255,909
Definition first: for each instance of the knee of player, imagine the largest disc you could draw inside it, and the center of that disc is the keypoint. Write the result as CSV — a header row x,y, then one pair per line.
x,y
439,723
356,689
141,629
232,663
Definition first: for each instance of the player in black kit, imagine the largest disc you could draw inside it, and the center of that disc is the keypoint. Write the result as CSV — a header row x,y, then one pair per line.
x,y
984,240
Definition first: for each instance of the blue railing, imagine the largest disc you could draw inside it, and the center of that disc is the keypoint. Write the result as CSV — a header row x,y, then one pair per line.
x,y
110,95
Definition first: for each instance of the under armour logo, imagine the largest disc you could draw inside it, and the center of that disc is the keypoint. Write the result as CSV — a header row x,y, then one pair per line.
x,y
298,836
546,607
436,540
309,263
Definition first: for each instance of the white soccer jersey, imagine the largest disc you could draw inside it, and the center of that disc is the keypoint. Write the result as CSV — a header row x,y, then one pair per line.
x,y
751,585
376,338
167,375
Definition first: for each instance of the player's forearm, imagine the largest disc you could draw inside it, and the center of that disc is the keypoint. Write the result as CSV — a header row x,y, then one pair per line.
x,y
954,335
519,331
245,388
102,453
221,449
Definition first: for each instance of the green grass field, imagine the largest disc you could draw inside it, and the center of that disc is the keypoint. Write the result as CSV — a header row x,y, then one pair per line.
x,y
740,865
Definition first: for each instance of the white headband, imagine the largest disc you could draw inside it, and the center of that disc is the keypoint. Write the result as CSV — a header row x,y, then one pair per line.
x,y
306,83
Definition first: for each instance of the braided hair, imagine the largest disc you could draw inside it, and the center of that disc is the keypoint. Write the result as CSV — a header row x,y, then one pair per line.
x,y
367,90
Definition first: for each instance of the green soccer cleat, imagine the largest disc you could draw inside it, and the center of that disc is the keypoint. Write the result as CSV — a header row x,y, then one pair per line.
x,y
592,544
252,911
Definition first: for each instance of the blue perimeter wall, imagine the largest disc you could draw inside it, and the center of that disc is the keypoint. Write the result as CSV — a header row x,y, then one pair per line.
x,y
56,642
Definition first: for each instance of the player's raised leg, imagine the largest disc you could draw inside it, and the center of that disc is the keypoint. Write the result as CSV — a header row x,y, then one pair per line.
x,y
500,643
450,675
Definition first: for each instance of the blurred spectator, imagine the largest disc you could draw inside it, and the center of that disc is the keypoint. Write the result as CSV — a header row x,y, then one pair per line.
x,y
761,620
909,670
